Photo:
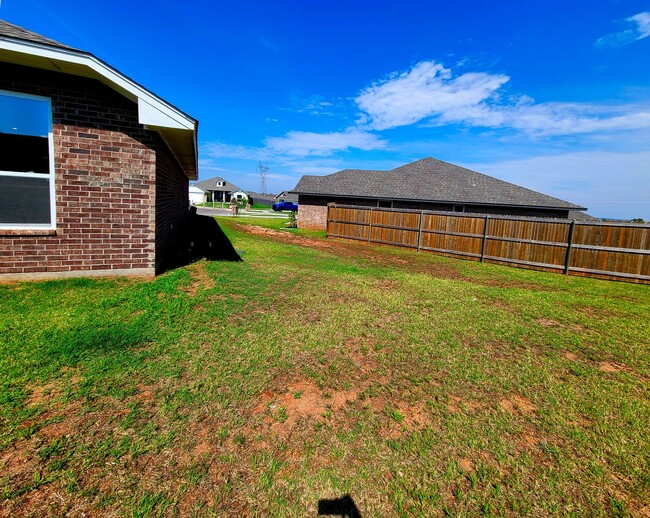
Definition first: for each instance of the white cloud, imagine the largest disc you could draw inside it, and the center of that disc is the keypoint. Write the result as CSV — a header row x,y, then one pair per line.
x,y
429,94
638,28
609,184
554,119
306,143
427,90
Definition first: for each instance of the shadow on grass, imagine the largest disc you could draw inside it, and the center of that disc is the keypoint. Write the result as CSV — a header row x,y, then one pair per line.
x,y
199,237
343,506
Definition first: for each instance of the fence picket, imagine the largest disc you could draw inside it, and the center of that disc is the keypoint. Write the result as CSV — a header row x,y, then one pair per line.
x,y
599,249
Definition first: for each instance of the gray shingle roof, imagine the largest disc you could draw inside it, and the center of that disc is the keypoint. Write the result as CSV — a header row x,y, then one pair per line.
x,y
211,185
428,179
9,30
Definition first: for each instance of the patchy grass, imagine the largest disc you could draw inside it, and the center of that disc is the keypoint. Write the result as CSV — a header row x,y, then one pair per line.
x,y
419,385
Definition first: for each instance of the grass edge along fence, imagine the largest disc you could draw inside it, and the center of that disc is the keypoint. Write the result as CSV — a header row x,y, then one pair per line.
x,y
613,251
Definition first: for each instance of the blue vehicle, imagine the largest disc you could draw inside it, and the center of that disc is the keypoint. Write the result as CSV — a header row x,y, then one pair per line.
x,y
285,205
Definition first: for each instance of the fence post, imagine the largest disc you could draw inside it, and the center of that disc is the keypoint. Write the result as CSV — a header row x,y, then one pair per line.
x,y
370,226
485,229
420,230
327,228
567,260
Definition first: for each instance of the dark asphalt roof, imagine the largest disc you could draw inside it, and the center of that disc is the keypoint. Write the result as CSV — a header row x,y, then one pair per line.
x,y
428,179
9,30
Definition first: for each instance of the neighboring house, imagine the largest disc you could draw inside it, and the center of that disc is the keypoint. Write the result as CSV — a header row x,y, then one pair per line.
x,y
94,168
217,189
426,184
286,196
197,195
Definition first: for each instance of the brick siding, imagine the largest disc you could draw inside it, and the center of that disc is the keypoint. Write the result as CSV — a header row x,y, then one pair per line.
x,y
106,185
172,201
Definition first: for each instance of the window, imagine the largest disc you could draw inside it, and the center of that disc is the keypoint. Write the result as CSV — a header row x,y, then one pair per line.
x,y
459,208
382,204
26,162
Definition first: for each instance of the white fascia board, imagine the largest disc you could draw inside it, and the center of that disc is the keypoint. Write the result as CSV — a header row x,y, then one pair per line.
x,y
152,110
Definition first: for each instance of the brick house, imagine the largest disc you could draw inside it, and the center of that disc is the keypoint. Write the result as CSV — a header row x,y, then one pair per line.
x,y
427,184
94,168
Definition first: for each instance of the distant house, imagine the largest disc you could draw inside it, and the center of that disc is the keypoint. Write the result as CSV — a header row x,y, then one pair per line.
x,y
94,168
197,195
286,196
239,196
217,189
427,184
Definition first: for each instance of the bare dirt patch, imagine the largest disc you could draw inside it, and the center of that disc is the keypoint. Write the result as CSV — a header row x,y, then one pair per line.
x,y
287,237
457,404
610,367
518,405
302,401
547,322
466,465
17,459
42,393
361,354
145,394
528,440
498,303
596,312
570,356
200,279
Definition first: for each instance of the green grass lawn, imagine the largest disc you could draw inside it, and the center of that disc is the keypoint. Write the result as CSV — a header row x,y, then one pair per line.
x,y
314,369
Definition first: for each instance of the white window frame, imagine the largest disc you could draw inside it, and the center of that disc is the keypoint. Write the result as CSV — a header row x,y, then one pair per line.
x,y
49,176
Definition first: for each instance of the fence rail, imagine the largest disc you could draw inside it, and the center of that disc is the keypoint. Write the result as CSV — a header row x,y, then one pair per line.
x,y
617,251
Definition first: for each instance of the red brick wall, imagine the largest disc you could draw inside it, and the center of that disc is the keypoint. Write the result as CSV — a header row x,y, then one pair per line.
x,y
105,183
312,216
172,200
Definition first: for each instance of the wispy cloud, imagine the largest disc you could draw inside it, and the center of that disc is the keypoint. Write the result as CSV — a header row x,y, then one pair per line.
x,y
297,144
222,150
306,143
637,28
430,95
318,105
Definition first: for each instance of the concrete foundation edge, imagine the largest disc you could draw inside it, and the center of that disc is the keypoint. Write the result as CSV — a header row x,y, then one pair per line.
x,y
40,276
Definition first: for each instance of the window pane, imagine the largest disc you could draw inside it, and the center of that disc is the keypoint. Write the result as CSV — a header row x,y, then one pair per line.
x,y
24,200
23,116
24,154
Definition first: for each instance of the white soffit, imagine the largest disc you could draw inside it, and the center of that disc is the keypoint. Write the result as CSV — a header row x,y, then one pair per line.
x,y
152,110
177,128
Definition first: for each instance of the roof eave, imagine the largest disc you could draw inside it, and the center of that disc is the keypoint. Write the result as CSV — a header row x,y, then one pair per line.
x,y
153,111
426,200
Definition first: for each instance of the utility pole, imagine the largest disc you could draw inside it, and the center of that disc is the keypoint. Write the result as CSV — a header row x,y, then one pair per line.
x,y
263,170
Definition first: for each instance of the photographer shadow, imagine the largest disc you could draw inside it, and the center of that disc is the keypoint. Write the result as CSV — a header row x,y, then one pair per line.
x,y
343,506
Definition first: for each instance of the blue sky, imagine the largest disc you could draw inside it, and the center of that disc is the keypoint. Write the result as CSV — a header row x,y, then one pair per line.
x,y
552,95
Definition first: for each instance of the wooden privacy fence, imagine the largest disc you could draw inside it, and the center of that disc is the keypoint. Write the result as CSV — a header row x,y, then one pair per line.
x,y
618,251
